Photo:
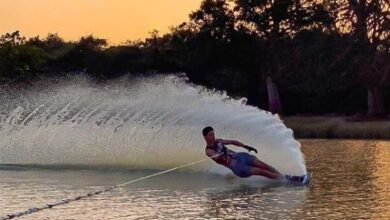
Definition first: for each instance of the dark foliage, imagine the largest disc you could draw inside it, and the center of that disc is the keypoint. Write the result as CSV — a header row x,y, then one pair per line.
x,y
326,58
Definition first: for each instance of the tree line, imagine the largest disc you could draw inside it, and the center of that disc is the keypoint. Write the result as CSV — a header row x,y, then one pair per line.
x,y
287,56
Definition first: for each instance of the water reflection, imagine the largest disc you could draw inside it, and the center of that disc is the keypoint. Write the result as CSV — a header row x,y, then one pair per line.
x,y
351,180
345,178
248,202
381,176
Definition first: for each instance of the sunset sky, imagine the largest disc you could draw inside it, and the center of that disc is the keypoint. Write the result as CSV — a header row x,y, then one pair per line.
x,y
115,20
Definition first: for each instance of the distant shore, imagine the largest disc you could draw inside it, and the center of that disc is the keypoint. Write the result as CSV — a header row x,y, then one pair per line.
x,y
338,127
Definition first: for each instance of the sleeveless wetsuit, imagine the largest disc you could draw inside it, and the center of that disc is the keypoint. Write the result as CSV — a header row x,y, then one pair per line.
x,y
240,163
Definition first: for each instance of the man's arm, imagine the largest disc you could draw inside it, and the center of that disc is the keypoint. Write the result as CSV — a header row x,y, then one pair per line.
x,y
233,142
239,144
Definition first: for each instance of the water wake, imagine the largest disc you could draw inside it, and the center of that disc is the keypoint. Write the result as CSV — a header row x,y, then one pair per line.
x,y
143,123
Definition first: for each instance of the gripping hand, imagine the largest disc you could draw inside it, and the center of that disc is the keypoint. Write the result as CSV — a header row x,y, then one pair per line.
x,y
249,148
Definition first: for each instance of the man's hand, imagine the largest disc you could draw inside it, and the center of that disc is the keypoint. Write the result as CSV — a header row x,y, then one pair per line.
x,y
249,148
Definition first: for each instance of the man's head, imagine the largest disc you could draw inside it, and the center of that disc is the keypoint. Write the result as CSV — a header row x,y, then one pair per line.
x,y
208,134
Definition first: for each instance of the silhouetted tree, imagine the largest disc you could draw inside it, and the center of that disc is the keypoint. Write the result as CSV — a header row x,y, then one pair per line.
x,y
12,39
368,22
317,57
19,61
275,22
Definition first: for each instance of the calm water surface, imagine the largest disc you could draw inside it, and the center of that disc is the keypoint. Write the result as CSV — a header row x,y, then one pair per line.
x,y
351,180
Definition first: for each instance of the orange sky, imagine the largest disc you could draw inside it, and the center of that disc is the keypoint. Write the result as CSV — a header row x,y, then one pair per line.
x,y
115,20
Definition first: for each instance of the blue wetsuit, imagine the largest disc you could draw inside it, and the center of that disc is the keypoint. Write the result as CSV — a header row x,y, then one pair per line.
x,y
240,163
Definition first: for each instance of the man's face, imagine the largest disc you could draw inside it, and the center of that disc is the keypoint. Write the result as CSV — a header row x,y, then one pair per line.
x,y
210,137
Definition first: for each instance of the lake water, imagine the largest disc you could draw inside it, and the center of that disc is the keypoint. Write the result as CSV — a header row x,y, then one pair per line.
x,y
351,180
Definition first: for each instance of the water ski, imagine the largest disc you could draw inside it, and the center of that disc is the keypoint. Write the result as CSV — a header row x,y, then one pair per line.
x,y
303,180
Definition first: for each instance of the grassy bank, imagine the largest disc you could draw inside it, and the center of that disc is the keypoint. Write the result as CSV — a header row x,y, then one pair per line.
x,y
337,127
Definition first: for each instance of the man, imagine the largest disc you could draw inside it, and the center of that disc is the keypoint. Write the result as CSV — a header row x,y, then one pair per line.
x,y
243,164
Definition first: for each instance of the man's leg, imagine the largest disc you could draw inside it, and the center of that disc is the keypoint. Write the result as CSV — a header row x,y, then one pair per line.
x,y
260,164
263,172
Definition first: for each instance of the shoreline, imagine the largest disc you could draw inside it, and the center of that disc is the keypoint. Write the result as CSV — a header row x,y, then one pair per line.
x,y
337,127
